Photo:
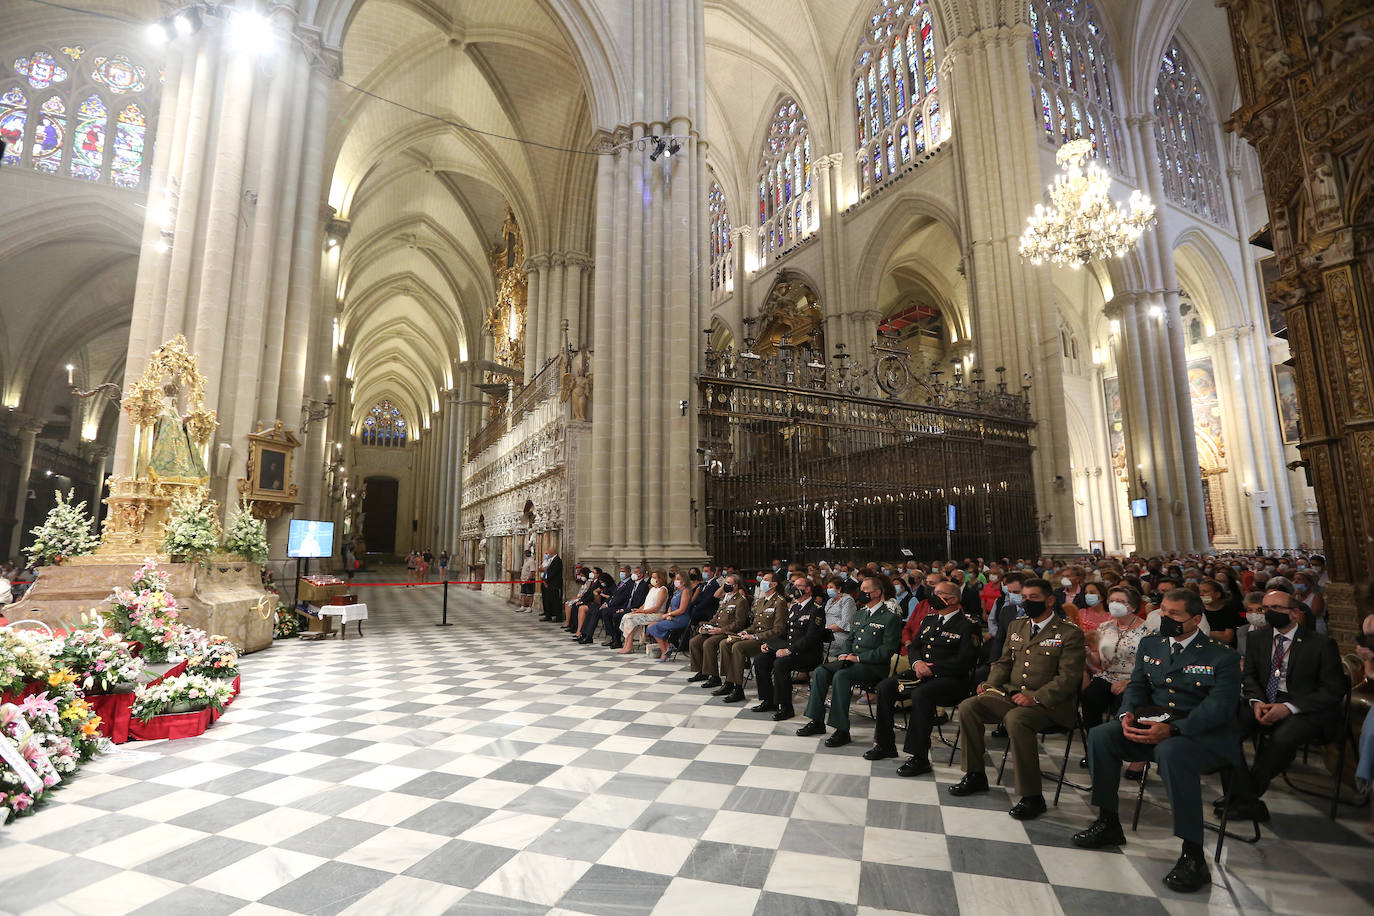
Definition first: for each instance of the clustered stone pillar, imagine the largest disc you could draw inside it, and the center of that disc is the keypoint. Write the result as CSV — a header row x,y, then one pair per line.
x,y
536,270
230,251
649,301
28,429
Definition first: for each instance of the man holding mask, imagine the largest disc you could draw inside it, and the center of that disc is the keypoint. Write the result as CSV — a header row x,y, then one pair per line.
x,y
797,648
1179,710
1032,686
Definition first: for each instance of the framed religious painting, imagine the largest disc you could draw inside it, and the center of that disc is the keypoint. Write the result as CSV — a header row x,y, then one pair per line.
x,y
267,483
1286,399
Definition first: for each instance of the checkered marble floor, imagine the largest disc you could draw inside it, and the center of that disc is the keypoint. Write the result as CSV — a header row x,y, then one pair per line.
x,y
494,767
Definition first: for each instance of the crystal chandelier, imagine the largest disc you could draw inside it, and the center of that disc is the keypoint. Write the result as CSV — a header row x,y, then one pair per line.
x,y
1082,222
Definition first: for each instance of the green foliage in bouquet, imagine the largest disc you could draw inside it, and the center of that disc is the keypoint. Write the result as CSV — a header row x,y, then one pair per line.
x,y
247,536
65,533
192,531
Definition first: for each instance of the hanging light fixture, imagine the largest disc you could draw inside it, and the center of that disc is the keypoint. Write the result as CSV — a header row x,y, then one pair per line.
x,y
1082,222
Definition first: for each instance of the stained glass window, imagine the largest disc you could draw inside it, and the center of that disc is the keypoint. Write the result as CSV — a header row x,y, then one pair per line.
x,y
785,180
41,68
722,246
48,136
1186,134
384,426
1067,56
126,169
120,74
88,143
896,81
14,113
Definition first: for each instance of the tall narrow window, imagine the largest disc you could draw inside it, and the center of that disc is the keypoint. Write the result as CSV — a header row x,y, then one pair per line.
x,y
88,143
1068,57
785,181
384,426
49,135
14,114
1186,134
896,78
722,246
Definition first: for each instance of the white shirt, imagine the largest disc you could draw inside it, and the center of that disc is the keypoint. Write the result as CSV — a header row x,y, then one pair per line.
x,y
1185,642
1287,635
6,593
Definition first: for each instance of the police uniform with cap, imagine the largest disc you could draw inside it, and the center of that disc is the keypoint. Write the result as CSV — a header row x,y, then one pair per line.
x,y
948,640
1045,662
1200,686
875,635
769,619
730,618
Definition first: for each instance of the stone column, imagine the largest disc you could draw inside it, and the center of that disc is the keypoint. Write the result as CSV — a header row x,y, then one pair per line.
x,y
649,295
536,270
27,428
833,289
552,334
742,297
575,265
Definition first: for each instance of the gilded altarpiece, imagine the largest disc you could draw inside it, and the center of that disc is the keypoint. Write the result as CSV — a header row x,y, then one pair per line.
x,y
1306,73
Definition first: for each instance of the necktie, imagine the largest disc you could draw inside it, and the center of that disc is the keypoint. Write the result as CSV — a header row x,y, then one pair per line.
x,y
1272,688
1177,648
1035,630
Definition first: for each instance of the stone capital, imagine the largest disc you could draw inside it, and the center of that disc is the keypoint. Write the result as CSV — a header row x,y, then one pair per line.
x,y
577,259
536,263
830,160
558,259
740,233
24,424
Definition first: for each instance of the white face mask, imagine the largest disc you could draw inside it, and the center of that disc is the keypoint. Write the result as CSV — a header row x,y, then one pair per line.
x,y
1066,582
765,587
1091,600
1118,609
1255,618
993,577
635,576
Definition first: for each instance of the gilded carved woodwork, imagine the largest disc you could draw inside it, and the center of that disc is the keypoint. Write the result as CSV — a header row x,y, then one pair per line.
x,y
505,320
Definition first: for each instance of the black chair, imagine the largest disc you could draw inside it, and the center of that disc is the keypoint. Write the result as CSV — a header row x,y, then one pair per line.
x,y
1226,771
1347,741
1067,731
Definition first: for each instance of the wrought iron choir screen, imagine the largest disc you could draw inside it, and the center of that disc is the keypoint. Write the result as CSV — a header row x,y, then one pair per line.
x,y
807,460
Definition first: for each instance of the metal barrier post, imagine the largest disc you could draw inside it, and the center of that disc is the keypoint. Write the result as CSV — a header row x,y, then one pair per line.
x,y
445,622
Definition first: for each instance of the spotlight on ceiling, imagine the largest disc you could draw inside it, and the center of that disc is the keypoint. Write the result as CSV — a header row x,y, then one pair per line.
x,y
673,147
187,21
660,145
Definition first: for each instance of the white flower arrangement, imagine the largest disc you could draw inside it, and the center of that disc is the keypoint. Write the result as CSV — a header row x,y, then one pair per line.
x,y
24,657
212,656
192,690
100,662
247,536
193,529
66,532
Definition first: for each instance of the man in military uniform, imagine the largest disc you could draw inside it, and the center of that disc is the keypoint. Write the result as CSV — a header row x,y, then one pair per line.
x,y
770,617
798,648
942,654
874,634
1032,686
729,619
1179,710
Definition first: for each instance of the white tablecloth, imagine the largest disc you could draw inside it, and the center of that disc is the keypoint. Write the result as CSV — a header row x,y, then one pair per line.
x,y
346,612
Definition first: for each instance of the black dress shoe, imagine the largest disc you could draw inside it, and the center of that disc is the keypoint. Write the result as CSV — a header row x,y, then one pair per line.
x,y
1189,874
696,678
811,728
608,643
1000,731
1135,775
618,644
971,783
1100,833
584,640
1029,808
764,707
1218,803
877,752
839,739
914,766
1249,810
783,714
736,695
723,690
710,683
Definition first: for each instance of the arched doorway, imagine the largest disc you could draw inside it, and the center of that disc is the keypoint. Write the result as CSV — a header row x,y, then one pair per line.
x,y
379,514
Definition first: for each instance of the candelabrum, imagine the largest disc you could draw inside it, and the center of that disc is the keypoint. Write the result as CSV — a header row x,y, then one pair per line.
x,y
314,410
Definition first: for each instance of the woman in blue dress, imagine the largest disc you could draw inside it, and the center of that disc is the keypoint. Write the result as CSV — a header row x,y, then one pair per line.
x,y
684,587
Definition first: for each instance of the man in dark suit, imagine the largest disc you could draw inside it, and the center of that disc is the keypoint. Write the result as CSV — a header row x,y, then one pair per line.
x,y
942,656
612,611
620,591
706,600
1184,687
1004,610
1291,696
798,648
1032,686
552,592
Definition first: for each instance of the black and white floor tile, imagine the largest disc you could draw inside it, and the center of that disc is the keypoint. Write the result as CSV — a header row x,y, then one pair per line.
x,y
493,767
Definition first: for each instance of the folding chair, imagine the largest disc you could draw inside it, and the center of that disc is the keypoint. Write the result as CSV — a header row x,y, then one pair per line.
x,y
1347,741
1227,781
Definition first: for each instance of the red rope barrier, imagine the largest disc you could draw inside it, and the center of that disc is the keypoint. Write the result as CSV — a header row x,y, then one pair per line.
x,y
450,582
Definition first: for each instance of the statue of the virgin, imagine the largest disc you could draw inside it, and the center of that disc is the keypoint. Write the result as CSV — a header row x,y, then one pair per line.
x,y
175,458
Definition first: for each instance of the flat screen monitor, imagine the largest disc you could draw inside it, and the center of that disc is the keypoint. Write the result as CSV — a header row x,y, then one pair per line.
x,y
310,540
1140,507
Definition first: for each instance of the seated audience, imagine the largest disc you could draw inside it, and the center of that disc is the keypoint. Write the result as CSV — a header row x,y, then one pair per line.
x,y
1222,619
684,586
876,629
1033,685
630,592
1364,771
1254,622
1182,670
1115,644
839,614
1091,607
704,648
942,653
650,611
1293,688
769,620
707,597
798,648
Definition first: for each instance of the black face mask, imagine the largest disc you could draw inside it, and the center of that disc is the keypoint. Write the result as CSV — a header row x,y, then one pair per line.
x,y
794,592
728,588
1034,608
1156,597
873,596
1365,640
1170,627
1279,620
937,603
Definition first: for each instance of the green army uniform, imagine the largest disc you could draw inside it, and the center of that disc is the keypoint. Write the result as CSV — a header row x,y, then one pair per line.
x,y
876,633
769,620
730,618
1048,667
1202,683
